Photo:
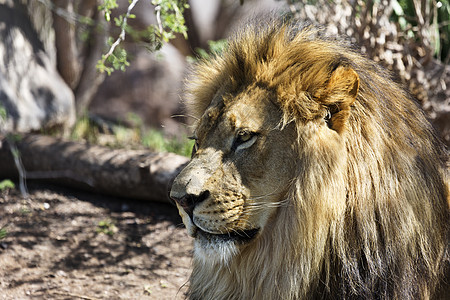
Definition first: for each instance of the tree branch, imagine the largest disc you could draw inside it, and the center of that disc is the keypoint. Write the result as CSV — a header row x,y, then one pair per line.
x,y
133,174
121,37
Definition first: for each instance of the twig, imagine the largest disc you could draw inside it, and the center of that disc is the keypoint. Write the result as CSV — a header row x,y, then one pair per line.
x,y
122,33
158,18
20,169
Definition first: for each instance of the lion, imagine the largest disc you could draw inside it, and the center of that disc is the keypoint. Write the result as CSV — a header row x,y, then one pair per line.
x,y
313,175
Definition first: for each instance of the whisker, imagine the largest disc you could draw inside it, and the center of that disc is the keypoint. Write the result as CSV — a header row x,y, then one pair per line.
x,y
251,207
183,115
276,192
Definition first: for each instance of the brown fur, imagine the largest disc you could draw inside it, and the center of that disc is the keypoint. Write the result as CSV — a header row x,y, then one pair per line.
x,y
359,206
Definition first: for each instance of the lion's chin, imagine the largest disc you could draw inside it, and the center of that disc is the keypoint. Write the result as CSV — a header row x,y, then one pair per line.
x,y
220,248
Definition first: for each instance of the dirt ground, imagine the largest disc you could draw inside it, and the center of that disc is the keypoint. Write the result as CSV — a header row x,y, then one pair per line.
x,y
66,244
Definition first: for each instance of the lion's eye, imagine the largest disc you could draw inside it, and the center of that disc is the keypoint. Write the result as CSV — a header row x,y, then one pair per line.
x,y
244,139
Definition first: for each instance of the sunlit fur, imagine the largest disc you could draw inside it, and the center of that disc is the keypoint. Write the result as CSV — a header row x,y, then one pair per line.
x,y
367,215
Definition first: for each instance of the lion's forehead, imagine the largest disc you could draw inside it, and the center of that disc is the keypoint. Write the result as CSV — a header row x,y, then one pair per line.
x,y
250,110
245,116
214,130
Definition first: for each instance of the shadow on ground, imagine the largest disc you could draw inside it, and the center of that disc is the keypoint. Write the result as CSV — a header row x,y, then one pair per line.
x,y
66,244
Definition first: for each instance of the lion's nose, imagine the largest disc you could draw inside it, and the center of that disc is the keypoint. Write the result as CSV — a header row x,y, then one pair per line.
x,y
189,201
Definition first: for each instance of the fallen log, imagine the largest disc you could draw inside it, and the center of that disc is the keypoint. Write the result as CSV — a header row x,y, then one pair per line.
x,y
134,174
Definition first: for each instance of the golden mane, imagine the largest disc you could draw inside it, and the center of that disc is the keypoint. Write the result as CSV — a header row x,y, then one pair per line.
x,y
369,213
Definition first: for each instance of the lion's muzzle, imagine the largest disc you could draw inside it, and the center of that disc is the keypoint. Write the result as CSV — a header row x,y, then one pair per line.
x,y
211,201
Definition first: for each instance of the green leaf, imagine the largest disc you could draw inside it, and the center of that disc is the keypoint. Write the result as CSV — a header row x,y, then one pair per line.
x,y
3,113
171,22
6,184
3,233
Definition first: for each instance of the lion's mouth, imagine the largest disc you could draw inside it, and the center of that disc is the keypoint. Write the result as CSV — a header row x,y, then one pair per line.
x,y
240,236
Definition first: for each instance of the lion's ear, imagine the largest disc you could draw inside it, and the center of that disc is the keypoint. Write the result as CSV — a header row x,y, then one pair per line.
x,y
338,95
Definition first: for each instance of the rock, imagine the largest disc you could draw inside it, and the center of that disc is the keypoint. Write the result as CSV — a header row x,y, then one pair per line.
x,y
32,93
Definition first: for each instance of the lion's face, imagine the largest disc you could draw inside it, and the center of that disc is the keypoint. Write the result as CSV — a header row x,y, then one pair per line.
x,y
240,171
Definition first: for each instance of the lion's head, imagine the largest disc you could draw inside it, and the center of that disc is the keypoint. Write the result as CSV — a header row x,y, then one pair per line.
x,y
312,175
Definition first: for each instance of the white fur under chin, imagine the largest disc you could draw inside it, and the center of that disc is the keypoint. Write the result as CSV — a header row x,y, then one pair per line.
x,y
219,253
